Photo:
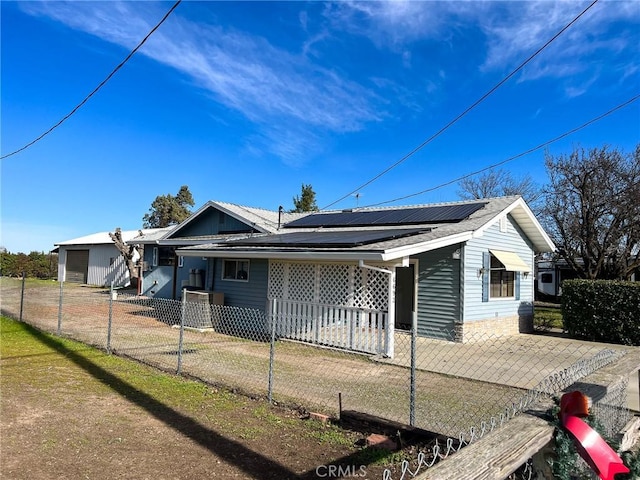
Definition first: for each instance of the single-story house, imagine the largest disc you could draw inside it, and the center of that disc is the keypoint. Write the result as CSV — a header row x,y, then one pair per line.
x,y
462,267
94,259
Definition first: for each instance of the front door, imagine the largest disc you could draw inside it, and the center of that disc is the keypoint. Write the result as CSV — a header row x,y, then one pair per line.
x,y
405,296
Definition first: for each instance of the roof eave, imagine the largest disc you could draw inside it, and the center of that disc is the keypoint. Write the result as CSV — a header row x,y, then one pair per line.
x,y
540,239
342,255
408,250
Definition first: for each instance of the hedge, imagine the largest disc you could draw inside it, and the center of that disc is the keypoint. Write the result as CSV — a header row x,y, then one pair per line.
x,y
602,310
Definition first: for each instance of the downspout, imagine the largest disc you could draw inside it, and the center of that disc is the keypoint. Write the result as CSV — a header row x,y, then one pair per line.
x,y
391,303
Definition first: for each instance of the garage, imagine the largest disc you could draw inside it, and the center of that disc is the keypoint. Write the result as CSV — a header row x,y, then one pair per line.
x,y
77,266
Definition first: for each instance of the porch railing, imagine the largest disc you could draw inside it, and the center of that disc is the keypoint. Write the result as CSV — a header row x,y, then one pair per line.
x,y
351,328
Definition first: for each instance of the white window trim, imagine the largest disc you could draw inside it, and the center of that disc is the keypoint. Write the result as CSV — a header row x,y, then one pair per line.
x,y
180,261
154,257
236,260
498,298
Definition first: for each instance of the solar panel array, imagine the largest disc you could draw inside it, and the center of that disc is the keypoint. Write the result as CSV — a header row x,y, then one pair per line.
x,y
389,217
327,239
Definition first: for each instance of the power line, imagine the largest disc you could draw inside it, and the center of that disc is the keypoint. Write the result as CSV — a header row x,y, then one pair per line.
x,y
77,107
471,107
510,159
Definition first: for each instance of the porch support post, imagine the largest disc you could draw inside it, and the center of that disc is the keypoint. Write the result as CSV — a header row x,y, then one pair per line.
x,y
391,303
391,316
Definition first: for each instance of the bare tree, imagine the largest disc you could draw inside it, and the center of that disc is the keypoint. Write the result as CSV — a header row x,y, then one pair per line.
x,y
498,183
128,252
592,210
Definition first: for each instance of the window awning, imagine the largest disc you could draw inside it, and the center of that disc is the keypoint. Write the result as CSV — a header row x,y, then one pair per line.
x,y
511,261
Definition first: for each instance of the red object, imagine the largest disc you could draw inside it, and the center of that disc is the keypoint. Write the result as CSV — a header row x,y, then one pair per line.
x,y
590,445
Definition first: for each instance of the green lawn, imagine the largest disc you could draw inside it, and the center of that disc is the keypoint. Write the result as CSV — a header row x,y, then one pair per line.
x,y
92,407
546,318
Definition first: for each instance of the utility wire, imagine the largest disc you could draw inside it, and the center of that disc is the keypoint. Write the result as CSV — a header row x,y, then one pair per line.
x,y
471,107
77,107
510,159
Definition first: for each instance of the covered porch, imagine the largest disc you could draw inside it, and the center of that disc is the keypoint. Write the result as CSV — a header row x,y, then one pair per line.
x,y
346,305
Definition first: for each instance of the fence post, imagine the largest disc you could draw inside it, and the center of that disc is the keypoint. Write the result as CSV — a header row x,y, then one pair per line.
x,y
60,309
22,296
182,315
110,319
412,393
272,348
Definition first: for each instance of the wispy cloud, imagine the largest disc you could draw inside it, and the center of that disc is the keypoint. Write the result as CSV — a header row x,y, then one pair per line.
x,y
272,87
522,27
391,24
297,96
510,30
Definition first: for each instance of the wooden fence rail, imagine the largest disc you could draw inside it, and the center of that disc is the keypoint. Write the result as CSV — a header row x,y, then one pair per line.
x,y
352,328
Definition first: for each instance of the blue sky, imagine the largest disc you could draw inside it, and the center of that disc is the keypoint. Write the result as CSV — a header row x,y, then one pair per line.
x,y
243,102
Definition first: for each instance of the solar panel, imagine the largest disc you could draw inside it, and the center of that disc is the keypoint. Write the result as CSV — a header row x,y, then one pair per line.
x,y
389,217
327,239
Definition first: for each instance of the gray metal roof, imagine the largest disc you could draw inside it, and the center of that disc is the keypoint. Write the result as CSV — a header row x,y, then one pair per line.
x,y
151,235
437,236
261,219
104,238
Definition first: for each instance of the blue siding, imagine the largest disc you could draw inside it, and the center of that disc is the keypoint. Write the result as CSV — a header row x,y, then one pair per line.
x,y
250,294
158,281
211,222
513,240
438,292
182,273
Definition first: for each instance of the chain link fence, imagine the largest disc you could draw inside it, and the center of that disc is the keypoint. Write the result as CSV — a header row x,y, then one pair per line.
x,y
459,390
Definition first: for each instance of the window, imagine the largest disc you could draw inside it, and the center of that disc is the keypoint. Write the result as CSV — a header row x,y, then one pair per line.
x,y
546,278
235,270
163,256
502,281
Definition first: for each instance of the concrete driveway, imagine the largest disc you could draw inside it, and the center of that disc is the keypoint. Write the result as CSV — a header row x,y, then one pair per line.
x,y
521,361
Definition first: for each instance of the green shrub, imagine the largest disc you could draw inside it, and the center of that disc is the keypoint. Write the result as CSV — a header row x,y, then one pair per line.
x,y
602,310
